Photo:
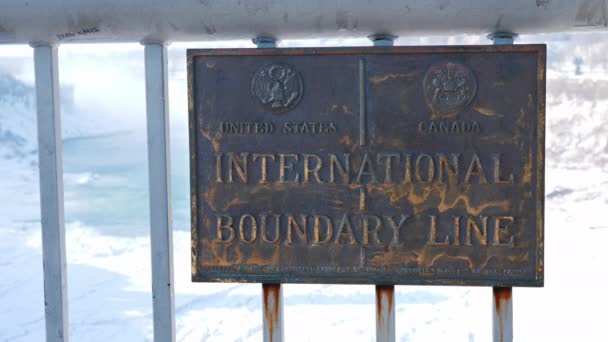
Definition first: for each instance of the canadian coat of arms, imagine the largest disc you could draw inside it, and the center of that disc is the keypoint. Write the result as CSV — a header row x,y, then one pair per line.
x,y
449,88
277,87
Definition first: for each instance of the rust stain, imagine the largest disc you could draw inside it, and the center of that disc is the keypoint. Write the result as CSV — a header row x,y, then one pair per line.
x,y
388,292
345,140
522,256
421,198
214,139
438,116
376,80
487,111
445,255
471,209
502,295
224,256
397,192
271,306
527,176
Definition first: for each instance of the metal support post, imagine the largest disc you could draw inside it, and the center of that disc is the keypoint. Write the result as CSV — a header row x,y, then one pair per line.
x,y
385,294
273,312
159,175
502,314
502,302
385,313
272,293
51,192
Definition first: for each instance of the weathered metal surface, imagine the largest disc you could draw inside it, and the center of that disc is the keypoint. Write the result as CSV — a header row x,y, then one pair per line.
x,y
502,303
51,193
159,177
272,294
23,21
385,313
273,312
502,314
386,165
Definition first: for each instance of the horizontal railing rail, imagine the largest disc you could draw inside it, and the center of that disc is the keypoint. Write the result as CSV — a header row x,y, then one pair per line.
x,y
198,20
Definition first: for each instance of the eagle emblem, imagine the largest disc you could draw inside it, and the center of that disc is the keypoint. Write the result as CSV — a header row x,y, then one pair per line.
x,y
277,87
449,88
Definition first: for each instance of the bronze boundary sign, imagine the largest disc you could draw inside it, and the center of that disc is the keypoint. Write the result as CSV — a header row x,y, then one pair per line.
x,y
370,165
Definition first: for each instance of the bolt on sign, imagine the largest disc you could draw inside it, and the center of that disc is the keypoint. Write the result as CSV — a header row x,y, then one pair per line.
x,y
385,165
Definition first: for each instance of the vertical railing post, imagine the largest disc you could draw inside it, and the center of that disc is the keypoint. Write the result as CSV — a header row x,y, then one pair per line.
x,y
385,294
385,313
502,314
273,312
51,192
272,293
502,297
159,175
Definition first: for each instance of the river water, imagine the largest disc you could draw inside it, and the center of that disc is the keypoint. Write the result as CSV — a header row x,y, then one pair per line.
x,y
106,182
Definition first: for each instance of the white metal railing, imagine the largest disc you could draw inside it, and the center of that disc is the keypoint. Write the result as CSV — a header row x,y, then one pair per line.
x,y
53,228
51,192
159,175
188,20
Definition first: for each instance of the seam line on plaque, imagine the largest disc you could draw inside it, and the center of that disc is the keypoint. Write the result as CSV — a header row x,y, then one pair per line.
x,y
362,105
362,199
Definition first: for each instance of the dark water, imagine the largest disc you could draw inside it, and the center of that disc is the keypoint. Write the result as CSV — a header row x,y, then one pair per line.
x,y
106,183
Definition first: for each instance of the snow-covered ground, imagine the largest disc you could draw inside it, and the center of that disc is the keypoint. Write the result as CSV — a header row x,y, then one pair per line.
x,y
106,216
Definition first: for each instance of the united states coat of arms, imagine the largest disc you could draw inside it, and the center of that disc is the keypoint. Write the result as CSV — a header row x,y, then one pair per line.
x,y
277,87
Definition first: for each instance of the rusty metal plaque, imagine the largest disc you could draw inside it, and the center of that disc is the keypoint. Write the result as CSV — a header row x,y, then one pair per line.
x,y
379,165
